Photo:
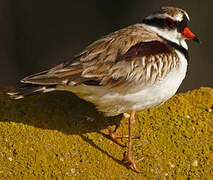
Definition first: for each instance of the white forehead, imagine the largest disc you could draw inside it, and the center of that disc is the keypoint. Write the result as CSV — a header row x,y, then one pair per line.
x,y
176,17
187,16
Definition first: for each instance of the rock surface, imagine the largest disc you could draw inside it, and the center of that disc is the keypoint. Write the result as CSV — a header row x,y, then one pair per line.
x,y
59,136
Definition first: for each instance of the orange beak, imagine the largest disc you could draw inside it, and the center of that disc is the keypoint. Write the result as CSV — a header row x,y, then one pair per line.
x,y
189,35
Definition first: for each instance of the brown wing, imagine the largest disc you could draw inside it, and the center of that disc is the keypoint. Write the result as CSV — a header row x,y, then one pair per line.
x,y
57,75
144,63
130,55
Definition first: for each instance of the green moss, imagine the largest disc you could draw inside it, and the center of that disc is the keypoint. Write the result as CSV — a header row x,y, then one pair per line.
x,y
59,136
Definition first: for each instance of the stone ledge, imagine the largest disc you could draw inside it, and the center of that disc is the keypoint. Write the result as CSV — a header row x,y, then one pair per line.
x,y
59,136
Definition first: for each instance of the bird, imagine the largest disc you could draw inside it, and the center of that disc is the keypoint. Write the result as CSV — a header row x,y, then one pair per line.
x,y
129,70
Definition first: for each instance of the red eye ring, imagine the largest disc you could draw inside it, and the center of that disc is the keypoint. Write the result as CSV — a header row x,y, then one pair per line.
x,y
169,22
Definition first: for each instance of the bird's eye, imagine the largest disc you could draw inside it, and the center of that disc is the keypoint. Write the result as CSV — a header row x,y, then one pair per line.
x,y
168,22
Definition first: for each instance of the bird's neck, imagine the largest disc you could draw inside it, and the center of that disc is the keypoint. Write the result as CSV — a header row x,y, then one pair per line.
x,y
172,38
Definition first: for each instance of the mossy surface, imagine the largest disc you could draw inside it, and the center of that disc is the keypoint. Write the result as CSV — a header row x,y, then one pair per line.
x,y
59,136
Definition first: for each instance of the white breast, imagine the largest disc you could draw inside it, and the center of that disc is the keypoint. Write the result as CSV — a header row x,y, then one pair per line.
x,y
113,103
162,90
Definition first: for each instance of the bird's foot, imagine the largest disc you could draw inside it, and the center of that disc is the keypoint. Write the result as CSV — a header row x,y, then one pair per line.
x,y
129,160
114,137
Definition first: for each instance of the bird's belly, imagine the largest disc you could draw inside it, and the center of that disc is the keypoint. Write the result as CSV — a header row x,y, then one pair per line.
x,y
113,103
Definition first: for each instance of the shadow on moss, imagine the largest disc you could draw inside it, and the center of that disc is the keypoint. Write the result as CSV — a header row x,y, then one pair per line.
x,y
62,111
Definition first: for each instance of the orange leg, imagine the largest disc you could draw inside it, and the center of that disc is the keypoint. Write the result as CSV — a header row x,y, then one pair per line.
x,y
128,154
114,137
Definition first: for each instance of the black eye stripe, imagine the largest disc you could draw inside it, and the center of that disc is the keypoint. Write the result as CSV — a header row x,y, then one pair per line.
x,y
168,22
181,25
159,22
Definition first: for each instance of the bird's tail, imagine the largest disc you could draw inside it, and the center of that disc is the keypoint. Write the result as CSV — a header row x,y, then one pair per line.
x,y
30,89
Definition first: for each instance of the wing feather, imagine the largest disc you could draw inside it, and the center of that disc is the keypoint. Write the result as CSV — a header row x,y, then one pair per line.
x,y
127,57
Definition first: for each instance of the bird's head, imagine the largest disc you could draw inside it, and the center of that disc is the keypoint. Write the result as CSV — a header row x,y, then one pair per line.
x,y
171,24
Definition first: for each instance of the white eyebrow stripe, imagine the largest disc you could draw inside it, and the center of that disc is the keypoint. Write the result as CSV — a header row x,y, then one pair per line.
x,y
187,16
158,16
178,17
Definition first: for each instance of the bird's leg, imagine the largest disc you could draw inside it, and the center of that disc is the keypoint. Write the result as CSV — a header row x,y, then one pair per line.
x,y
114,137
128,154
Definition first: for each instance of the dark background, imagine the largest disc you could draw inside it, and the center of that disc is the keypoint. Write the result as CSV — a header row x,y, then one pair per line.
x,y
38,34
